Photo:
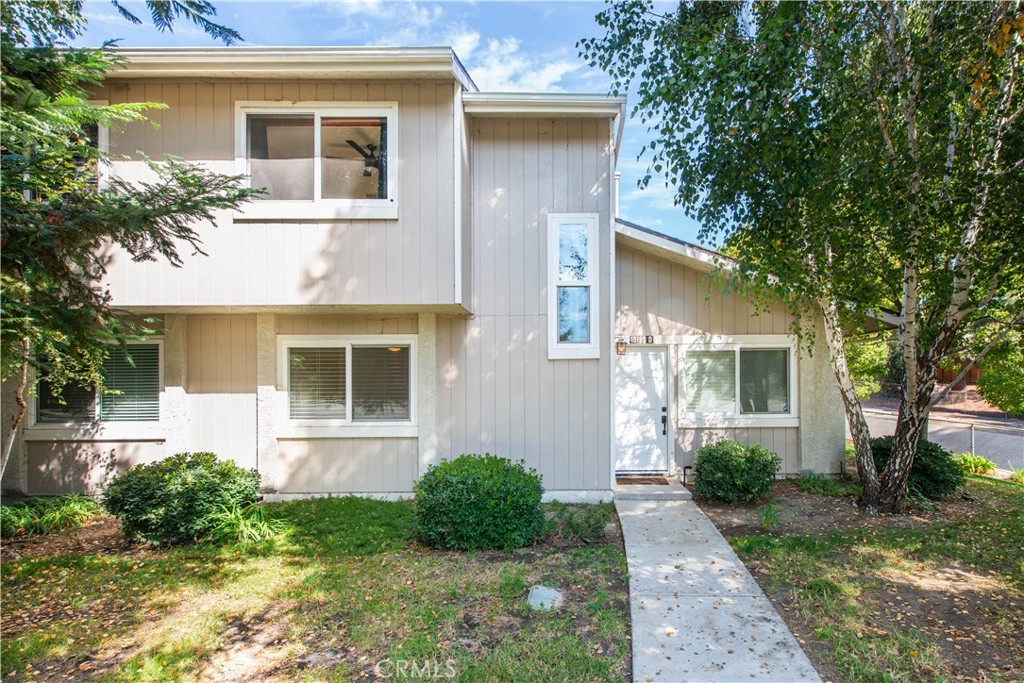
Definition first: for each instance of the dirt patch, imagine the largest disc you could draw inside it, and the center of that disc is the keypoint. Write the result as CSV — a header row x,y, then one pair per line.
x,y
802,513
102,536
972,617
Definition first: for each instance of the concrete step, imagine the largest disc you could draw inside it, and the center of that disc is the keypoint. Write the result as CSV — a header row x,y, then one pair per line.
x,y
651,492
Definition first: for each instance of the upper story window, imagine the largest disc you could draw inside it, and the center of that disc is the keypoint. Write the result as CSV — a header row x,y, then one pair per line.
x,y
737,381
318,159
132,392
573,285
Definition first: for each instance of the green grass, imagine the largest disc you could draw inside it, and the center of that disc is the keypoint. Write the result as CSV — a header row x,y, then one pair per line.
x,y
836,583
47,515
345,577
821,485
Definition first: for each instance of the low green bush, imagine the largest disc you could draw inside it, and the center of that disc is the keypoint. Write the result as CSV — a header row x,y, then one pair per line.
x,y
478,501
970,463
1017,476
245,524
47,515
178,499
934,474
734,473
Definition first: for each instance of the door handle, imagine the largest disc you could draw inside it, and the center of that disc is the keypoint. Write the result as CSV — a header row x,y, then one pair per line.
x,y
664,425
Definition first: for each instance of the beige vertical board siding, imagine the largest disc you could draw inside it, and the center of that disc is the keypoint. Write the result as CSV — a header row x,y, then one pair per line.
x,y
312,466
658,297
497,390
345,325
221,385
410,260
56,467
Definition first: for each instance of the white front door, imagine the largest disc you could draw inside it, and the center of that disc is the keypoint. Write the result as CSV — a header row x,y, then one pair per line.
x,y
641,411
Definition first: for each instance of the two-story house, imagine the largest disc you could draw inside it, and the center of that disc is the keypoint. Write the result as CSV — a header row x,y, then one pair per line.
x,y
434,270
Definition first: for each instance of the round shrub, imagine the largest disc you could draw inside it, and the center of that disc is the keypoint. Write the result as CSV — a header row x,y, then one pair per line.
x,y
478,501
734,473
178,499
934,474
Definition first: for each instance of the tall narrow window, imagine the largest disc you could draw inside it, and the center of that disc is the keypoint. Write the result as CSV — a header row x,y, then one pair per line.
x,y
572,285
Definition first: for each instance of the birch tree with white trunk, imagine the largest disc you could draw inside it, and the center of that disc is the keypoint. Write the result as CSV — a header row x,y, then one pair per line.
x,y
859,158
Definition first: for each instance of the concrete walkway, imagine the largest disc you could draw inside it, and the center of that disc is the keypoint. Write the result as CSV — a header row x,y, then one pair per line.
x,y
698,614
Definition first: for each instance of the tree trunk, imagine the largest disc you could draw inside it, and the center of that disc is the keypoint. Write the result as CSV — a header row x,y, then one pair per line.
x,y
910,427
870,485
19,397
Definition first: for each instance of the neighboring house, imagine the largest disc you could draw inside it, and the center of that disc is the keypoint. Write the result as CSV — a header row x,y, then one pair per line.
x,y
435,271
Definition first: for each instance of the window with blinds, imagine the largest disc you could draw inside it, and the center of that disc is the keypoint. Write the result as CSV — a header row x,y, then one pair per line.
x,y
341,381
737,381
380,384
710,381
317,384
131,385
131,391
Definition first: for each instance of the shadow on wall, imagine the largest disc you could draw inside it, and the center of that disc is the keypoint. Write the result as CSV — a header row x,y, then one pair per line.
x,y
56,467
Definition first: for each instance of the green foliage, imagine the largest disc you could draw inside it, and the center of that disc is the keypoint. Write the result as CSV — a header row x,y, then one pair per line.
x,y
857,157
732,472
867,359
182,498
1002,378
57,223
47,515
478,501
770,515
245,524
820,485
934,473
970,463
579,522
1017,476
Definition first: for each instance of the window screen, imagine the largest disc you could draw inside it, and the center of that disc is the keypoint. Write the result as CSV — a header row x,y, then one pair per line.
x,y
132,384
316,383
709,382
380,384
764,381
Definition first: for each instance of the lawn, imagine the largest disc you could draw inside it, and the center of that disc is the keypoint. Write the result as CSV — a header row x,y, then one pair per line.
x,y
934,596
345,594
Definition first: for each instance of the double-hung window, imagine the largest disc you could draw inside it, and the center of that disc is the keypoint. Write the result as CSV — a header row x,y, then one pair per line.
x,y
318,159
336,382
573,286
131,392
737,383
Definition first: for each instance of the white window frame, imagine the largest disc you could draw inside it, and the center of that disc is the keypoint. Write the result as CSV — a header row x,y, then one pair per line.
x,y
97,429
103,145
687,419
320,208
325,428
572,350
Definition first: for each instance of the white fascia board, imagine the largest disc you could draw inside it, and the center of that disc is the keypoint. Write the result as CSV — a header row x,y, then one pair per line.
x,y
292,62
699,259
498,104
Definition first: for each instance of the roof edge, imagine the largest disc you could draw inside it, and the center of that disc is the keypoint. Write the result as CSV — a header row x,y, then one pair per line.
x,y
508,104
290,62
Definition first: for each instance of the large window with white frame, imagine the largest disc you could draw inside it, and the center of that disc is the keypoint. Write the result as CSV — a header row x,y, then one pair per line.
x,y
573,277
131,392
738,382
340,381
319,159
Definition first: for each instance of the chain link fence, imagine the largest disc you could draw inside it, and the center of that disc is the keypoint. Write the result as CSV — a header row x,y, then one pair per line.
x,y
1002,444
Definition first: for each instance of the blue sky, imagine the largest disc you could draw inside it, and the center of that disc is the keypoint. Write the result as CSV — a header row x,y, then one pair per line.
x,y
506,46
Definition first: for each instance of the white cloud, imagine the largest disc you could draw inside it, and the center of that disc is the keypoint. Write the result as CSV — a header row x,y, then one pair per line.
x,y
464,41
502,65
